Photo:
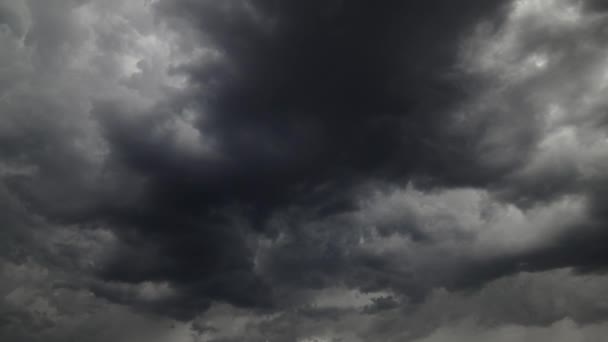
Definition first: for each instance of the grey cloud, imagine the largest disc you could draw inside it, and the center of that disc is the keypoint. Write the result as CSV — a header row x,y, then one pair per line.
x,y
551,302
290,171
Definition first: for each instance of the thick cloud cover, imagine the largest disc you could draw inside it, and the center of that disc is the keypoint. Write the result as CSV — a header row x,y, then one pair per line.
x,y
303,170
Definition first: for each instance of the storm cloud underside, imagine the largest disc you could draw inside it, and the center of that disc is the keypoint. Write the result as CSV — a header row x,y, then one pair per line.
x,y
188,171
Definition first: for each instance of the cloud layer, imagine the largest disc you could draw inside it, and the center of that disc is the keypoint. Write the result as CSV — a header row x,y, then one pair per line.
x,y
303,171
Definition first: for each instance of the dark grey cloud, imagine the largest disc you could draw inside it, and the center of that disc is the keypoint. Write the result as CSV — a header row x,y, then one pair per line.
x,y
301,171
305,103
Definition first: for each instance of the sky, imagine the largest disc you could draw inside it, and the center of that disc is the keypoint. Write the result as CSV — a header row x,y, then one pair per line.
x,y
303,171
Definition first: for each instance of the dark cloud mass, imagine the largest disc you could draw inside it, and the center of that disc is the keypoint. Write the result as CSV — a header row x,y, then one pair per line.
x,y
263,170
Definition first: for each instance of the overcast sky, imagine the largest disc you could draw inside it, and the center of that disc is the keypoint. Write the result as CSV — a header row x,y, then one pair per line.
x,y
303,171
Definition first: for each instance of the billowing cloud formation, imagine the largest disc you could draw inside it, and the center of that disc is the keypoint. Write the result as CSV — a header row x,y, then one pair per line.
x,y
303,171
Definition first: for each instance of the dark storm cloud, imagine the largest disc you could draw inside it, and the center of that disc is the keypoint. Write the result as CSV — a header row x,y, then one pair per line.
x,y
314,93
292,171
305,102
